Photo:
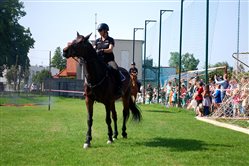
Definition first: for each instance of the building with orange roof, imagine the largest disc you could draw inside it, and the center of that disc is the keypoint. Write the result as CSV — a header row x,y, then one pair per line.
x,y
70,71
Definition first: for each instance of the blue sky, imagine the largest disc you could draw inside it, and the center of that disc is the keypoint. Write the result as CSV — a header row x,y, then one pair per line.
x,y
54,23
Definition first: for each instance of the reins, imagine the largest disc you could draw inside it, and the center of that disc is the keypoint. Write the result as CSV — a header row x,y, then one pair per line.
x,y
87,81
99,83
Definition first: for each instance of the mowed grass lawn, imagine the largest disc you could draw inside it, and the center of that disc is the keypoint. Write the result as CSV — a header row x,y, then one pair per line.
x,y
32,135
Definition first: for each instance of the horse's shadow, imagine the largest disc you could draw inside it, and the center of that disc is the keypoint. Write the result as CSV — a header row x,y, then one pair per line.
x,y
175,144
160,111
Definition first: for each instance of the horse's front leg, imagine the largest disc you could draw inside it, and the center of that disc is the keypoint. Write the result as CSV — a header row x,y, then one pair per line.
x,y
108,122
114,117
89,107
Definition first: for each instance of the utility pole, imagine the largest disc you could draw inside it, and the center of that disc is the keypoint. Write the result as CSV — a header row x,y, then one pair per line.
x,y
95,36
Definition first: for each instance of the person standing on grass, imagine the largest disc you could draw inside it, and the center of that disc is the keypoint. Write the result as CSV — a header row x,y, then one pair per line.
x,y
207,100
167,90
175,93
149,91
174,83
183,95
236,102
198,94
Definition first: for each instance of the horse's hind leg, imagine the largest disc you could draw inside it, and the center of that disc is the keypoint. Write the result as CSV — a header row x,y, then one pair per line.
x,y
114,117
125,115
108,122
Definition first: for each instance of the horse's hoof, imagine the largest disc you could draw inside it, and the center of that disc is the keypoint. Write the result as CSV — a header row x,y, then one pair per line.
x,y
114,139
86,145
109,142
124,135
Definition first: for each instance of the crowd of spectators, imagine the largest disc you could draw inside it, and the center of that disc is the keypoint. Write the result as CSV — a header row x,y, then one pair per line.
x,y
205,99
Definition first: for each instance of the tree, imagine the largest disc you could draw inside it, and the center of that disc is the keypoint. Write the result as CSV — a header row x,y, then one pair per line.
x,y
10,74
16,75
58,61
39,77
188,61
15,39
174,60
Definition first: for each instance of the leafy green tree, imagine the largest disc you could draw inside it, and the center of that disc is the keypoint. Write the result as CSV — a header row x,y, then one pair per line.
x,y
39,77
16,75
188,61
174,60
15,39
58,61
11,74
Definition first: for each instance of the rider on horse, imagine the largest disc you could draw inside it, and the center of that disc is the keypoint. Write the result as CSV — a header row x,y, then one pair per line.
x,y
133,70
104,47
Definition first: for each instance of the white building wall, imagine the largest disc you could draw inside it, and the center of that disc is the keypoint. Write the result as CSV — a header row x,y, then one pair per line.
x,y
123,51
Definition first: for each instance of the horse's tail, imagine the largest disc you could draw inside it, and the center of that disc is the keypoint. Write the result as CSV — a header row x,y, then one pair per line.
x,y
136,113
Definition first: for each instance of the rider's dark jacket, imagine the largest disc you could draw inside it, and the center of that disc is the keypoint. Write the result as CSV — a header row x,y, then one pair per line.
x,y
100,44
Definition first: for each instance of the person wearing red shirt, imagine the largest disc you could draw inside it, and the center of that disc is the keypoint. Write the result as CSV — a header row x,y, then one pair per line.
x,y
198,95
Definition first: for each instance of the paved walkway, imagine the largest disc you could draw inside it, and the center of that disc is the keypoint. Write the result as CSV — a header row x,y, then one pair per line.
x,y
225,125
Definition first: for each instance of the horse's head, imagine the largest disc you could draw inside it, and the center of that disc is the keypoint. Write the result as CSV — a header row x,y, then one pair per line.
x,y
79,47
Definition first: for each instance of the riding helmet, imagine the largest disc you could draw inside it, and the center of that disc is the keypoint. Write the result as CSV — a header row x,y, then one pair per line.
x,y
103,26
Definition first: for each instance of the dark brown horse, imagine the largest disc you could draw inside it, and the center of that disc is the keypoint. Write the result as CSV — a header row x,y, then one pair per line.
x,y
134,87
100,86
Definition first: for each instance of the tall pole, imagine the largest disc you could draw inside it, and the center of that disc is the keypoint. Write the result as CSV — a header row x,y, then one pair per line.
x,y
145,31
133,47
159,53
207,21
238,37
49,82
95,35
180,57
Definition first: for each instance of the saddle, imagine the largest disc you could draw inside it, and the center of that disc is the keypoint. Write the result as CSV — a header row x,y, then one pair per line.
x,y
112,70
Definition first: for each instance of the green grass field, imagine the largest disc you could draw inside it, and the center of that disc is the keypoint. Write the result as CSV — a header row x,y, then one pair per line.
x,y
32,135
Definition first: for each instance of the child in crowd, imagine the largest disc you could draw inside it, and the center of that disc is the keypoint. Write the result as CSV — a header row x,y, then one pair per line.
x,y
183,95
207,100
236,102
171,96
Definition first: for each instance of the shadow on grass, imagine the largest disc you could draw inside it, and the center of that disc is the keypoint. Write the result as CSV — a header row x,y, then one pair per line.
x,y
159,111
180,144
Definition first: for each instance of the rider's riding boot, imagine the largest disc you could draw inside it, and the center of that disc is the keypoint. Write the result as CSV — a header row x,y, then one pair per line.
x,y
138,87
118,89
